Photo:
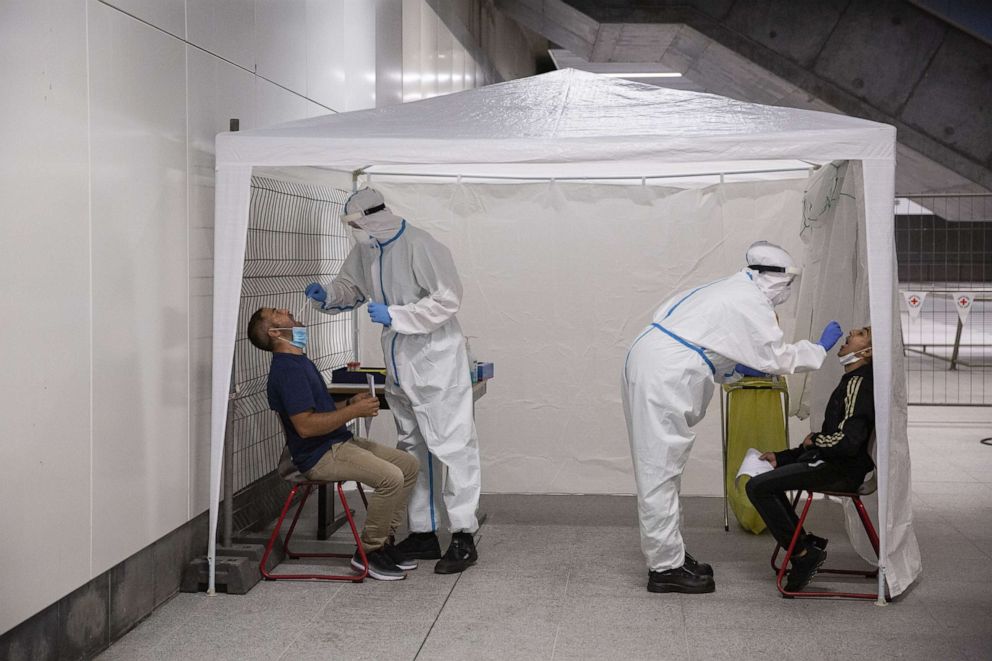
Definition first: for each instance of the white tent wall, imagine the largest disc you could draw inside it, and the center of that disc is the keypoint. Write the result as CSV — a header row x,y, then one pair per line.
x,y
559,279
604,127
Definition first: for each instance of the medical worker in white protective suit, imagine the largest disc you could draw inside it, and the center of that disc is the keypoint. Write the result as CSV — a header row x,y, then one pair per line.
x,y
699,337
413,290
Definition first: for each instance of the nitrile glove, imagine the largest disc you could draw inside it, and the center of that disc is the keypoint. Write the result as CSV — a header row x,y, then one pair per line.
x,y
316,292
380,313
747,371
831,333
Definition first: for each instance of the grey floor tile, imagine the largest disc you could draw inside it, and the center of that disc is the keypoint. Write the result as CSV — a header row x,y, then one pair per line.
x,y
773,641
141,641
924,646
497,640
372,640
623,629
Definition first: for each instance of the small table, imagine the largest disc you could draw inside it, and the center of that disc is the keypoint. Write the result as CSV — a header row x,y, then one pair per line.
x,y
327,522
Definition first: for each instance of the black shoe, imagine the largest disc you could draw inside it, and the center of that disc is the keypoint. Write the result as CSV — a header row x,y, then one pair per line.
x,y
381,568
818,542
804,568
461,554
397,557
696,567
680,580
420,545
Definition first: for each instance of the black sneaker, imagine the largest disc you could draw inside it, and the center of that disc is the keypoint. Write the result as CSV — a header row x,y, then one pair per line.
x,y
818,542
397,557
680,580
381,568
696,567
420,545
804,568
461,554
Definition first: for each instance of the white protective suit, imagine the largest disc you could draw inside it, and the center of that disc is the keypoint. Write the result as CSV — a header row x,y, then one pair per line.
x,y
697,338
428,385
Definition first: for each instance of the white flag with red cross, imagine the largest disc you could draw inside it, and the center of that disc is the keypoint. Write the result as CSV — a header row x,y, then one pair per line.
x,y
914,301
963,301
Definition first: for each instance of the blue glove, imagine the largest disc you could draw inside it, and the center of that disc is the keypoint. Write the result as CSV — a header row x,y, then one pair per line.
x,y
747,371
831,333
380,313
316,292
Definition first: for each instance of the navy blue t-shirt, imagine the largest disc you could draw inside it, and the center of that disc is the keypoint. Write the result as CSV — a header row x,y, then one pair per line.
x,y
296,386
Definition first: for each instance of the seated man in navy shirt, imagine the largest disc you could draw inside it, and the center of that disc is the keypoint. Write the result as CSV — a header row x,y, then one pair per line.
x,y
321,446
836,458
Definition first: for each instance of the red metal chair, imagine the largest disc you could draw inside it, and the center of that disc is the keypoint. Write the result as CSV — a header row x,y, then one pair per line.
x,y
855,497
300,482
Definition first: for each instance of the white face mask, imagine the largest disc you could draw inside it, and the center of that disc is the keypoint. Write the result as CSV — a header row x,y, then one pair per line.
x,y
851,358
360,236
780,293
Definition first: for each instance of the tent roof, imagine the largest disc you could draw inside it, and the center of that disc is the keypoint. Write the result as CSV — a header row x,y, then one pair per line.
x,y
562,117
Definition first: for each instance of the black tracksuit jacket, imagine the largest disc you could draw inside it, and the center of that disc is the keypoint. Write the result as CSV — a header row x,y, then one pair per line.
x,y
848,424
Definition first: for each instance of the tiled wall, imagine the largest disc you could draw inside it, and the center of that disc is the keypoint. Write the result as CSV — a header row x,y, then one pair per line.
x,y
108,121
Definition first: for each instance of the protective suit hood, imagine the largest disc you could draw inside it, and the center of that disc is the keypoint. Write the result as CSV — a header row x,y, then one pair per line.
x,y
772,269
367,209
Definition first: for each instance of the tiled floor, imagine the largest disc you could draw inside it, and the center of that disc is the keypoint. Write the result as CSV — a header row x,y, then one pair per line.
x,y
562,578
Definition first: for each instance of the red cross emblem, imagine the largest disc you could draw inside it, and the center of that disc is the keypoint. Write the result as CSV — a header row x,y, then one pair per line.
x,y
914,301
964,301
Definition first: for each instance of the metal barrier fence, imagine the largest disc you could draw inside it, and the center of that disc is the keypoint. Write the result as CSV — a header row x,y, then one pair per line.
x,y
295,237
944,248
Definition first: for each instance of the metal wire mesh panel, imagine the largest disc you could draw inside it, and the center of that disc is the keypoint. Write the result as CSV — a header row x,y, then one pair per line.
x,y
295,237
944,248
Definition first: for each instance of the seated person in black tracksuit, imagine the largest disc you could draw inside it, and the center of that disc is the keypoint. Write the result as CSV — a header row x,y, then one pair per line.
x,y
834,459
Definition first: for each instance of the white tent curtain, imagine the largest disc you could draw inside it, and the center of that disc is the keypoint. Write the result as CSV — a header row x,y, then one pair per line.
x,y
559,278
592,127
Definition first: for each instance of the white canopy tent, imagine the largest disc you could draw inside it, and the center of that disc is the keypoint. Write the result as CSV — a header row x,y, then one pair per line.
x,y
574,125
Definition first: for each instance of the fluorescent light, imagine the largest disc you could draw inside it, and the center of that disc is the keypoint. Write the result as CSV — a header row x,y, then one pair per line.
x,y
659,74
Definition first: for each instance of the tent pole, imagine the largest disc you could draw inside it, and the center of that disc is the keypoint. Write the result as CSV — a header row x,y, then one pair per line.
x,y
354,316
584,178
229,466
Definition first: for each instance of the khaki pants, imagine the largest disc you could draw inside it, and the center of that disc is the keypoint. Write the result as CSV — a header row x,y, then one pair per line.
x,y
391,472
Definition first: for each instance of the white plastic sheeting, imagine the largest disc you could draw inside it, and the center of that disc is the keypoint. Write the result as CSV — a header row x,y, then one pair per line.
x,y
595,127
559,279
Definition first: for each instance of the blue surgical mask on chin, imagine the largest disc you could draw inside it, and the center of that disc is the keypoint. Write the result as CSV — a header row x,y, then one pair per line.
x,y
299,336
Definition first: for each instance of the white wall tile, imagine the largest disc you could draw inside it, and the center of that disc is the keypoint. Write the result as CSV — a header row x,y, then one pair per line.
x,y
225,28
359,54
326,58
168,15
44,265
274,105
317,110
280,42
218,91
140,292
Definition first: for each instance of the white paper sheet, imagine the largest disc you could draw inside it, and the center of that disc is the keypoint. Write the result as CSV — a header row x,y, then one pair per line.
x,y
753,465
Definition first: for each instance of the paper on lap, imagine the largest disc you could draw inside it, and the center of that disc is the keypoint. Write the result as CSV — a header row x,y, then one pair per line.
x,y
753,465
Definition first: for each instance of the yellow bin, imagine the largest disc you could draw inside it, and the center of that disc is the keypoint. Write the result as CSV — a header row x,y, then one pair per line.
x,y
755,415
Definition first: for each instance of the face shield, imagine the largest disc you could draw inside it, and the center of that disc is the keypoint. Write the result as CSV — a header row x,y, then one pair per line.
x,y
368,216
774,271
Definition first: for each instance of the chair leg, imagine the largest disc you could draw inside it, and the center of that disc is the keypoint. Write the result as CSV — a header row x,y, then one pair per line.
x,y
361,492
866,522
275,534
296,517
792,545
778,547
354,529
